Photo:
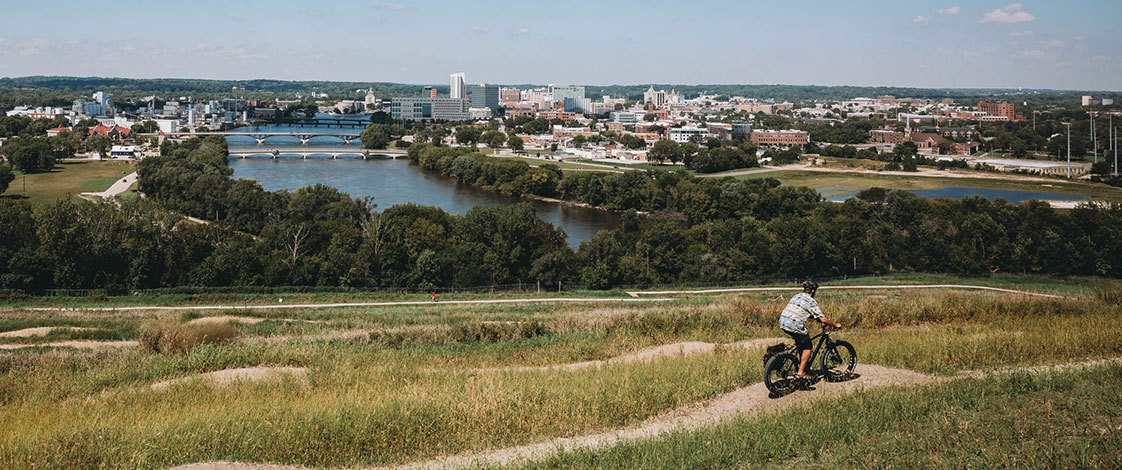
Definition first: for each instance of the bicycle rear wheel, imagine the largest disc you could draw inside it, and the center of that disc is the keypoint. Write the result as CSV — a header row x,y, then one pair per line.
x,y
839,360
779,373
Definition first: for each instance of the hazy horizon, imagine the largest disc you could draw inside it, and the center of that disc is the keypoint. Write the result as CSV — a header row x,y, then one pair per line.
x,y
944,45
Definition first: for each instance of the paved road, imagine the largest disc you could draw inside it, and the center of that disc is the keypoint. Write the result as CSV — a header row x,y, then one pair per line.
x,y
352,304
882,287
635,297
118,187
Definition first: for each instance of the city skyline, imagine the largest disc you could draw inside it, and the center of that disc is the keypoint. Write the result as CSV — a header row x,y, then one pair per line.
x,y
929,45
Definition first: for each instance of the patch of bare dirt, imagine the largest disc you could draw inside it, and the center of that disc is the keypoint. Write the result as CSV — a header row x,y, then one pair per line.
x,y
643,355
228,376
38,331
225,319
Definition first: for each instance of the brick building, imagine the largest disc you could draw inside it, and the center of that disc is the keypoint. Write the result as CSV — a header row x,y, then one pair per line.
x,y
780,138
1009,110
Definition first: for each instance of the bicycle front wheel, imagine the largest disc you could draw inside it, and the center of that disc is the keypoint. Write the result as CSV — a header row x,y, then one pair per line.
x,y
779,373
839,359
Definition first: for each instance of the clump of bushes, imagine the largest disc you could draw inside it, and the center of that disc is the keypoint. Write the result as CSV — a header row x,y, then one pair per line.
x,y
466,332
1109,296
491,332
173,337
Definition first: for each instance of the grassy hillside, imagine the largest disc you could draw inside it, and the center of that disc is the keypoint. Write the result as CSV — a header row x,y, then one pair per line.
x,y
395,384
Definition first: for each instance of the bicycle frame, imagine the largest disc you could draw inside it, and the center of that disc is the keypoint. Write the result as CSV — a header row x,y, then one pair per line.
x,y
823,338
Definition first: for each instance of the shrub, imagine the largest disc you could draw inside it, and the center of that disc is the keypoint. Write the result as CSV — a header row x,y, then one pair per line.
x,y
1109,296
171,337
467,332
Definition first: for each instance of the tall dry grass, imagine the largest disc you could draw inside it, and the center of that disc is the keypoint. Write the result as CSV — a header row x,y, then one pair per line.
x,y
173,337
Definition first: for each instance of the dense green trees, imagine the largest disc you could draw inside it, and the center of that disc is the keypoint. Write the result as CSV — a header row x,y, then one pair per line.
x,y
32,154
375,136
713,160
665,150
696,230
6,177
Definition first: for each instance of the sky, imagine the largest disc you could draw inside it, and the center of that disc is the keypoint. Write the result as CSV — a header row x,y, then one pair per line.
x,y
1074,44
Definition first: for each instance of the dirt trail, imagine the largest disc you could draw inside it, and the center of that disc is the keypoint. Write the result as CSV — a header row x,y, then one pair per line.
x,y
746,401
752,399
228,376
225,319
74,344
38,331
643,355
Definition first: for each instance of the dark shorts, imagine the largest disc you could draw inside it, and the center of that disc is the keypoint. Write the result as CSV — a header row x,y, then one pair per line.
x,y
802,342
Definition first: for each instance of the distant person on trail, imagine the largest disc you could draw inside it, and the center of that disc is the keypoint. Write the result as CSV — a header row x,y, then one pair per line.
x,y
793,322
434,296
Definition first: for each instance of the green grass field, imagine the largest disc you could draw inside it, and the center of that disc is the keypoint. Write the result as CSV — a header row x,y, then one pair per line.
x,y
835,184
68,179
398,384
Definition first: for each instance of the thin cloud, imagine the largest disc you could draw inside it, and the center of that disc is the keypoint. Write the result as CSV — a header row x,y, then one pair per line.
x,y
1054,43
949,11
1018,34
480,29
921,19
388,5
519,31
1031,54
1012,13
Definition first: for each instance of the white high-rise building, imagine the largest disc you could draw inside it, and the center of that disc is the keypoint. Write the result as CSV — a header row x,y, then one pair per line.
x,y
459,86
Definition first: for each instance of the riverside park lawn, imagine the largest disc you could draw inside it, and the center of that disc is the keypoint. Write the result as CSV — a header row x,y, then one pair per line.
x,y
946,378
68,179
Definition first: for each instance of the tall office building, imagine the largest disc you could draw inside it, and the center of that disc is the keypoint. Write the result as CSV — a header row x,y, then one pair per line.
x,y
485,96
572,96
560,92
427,109
459,86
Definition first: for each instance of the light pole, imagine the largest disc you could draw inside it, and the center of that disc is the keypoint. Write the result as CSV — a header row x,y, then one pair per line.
x,y
1068,124
1094,145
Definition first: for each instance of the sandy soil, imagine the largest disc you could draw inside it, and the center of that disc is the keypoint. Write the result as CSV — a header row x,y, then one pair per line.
x,y
228,376
37,331
225,319
75,344
643,355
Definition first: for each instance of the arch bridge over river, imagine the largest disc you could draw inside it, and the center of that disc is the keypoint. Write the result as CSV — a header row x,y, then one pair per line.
x,y
334,152
304,136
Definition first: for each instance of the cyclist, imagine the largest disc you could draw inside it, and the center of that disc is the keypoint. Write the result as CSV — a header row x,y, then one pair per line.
x,y
792,321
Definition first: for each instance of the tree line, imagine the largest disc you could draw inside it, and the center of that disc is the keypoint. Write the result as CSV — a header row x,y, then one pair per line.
x,y
675,228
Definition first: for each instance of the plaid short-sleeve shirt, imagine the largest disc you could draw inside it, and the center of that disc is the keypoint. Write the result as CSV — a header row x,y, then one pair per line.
x,y
801,308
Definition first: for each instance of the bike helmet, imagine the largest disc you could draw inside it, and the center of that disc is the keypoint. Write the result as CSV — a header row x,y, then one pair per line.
x,y
809,286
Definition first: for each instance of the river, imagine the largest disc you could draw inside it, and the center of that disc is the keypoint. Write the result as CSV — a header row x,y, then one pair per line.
x,y
392,182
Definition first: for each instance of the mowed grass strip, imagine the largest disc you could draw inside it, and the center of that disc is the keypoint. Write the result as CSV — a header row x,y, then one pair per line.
x,y
68,179
1047,420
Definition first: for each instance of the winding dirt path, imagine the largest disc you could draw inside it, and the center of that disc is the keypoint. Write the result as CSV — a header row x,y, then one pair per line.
x,y
642,355
39,331
229,376
746,401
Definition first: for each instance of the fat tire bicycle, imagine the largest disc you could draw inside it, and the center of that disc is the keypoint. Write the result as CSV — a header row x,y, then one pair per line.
x,y
837,361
